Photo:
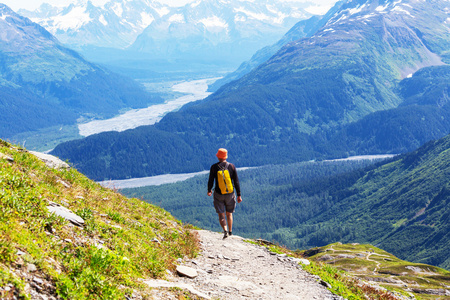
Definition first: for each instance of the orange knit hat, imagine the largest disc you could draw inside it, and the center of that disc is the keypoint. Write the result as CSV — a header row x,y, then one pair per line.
x,y
222,153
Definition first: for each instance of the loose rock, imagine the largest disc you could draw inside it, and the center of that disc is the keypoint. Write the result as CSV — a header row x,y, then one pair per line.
x,y
65,213
186,271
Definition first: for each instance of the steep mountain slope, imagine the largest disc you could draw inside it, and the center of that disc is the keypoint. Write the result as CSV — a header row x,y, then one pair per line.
x,y
65,236
402,206
302,29
43,83
295,105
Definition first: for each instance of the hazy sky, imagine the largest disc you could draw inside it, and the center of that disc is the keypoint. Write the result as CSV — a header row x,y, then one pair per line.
x,y
33,4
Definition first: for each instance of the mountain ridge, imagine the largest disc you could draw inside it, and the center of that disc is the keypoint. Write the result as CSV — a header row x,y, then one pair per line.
x,y
55,82
192,31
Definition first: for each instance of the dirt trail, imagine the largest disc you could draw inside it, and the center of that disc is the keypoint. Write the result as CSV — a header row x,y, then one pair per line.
x,y
234,269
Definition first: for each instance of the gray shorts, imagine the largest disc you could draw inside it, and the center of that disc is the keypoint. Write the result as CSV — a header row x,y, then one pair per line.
x,y
224,203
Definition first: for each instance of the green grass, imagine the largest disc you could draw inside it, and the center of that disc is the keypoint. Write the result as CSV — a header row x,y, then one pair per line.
x,y
380,267
106,258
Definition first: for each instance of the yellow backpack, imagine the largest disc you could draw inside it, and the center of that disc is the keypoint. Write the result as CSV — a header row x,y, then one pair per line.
x,y
224,180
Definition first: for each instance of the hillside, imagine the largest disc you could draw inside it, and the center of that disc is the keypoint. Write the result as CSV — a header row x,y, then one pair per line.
x,y
380,268
304,101
399,205
64,237
44,84
104,253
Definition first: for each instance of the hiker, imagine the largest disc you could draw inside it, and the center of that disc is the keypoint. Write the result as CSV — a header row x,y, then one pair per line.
x,y
225,177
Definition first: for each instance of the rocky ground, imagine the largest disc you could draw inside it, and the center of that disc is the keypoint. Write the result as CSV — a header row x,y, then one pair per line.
x,y
235,269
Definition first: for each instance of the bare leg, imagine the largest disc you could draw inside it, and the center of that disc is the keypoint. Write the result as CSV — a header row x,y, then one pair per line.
x,y
230,221
222,221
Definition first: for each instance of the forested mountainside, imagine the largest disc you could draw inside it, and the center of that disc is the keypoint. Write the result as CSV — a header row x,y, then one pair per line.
x,y
297,105
401,205
44,84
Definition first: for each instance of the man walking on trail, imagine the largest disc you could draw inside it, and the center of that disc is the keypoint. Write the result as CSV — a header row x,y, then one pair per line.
x,y
226,180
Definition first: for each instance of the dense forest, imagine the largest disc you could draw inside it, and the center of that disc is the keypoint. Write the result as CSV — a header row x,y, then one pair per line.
x,y
400,205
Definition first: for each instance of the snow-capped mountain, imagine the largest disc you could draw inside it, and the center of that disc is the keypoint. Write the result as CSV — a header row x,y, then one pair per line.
x,y
219,28
148,26
45,84
115,25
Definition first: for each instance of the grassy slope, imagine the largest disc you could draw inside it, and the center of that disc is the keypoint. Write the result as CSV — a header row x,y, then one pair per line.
x,y
380,268
122,241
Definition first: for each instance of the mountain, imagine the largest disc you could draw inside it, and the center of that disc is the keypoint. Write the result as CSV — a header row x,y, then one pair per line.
x,y
302,103
400,205
43,83
205,31
116,24
302,29
218,30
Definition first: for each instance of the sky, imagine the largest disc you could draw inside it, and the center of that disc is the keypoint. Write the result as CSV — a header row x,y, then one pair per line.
x,y
321,6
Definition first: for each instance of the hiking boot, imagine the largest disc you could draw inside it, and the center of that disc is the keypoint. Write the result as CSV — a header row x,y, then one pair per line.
x,y
225,234
230,233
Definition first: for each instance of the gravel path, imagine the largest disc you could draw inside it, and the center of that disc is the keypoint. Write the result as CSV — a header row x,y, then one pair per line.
x,y
234,269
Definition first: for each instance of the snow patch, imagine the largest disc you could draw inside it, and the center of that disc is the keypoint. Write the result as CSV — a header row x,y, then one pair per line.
x,y
318,9
195,4
238,18
177,18
213,22
338,20
102,20
162,11
365,17
76,18
382,8
146,19
3,17
356,9
401,10
118,9
256,16
409,76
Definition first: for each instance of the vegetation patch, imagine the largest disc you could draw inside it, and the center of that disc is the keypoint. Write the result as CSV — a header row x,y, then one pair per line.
x,y
121,242
381,269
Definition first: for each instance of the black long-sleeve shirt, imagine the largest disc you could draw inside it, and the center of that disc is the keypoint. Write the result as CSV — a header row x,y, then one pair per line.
x,y
213,177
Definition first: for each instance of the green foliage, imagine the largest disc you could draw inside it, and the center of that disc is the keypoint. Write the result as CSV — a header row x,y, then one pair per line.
x,y
106,258
402,204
